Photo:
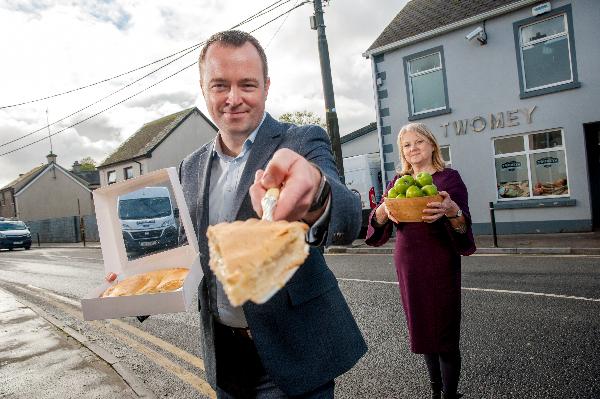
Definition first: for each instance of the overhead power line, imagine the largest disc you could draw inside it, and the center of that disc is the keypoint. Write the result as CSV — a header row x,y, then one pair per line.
x,y
141,91
265,10
191,49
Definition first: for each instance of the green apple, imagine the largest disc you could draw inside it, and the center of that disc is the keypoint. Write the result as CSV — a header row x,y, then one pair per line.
x,y
408,180
429,189
401,186
401,195
414,191
393,193
423,179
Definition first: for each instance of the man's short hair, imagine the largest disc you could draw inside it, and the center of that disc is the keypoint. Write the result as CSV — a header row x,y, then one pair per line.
x,y
234,38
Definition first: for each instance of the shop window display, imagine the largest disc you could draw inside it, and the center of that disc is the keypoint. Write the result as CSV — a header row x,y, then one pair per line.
x,y
531,165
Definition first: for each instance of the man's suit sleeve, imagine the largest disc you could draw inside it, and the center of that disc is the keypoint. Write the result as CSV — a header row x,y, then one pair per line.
x,y
345,212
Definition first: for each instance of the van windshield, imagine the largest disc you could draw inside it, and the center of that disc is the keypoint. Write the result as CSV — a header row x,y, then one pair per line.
x,y
5,226
144,208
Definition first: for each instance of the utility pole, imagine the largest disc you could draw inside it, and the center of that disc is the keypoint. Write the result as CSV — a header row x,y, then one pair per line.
x,y
318,23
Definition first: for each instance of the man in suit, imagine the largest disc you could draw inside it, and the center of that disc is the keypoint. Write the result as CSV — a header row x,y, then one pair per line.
x,y
295,344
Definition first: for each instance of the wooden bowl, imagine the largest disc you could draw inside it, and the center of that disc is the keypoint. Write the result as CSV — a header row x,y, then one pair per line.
x,y
409,209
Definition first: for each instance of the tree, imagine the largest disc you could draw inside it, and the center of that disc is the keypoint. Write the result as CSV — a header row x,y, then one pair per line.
x,y
303,118
87,164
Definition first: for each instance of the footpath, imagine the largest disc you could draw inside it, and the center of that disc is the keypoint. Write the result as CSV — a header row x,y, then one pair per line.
x,y
549,244
41,358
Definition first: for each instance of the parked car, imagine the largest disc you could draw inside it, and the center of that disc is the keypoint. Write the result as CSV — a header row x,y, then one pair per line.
x,y
14,234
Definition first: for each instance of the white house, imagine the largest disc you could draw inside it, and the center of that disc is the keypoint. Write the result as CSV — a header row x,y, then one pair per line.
x,y
158,144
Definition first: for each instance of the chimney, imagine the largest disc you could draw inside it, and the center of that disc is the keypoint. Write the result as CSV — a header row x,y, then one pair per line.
x,y
76,167
51,158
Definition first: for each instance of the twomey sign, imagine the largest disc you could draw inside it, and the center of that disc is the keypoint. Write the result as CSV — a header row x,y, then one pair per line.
x,y
498,120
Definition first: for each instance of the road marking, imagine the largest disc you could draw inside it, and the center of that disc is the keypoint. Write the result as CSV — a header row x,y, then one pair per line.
x,y
367,281
197,382
579,298
514,255
180,353
71,257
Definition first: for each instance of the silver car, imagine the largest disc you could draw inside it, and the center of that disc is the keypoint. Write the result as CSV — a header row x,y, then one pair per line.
x,y
14,234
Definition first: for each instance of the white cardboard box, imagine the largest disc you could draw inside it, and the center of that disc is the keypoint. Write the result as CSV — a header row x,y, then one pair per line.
x,y
116,260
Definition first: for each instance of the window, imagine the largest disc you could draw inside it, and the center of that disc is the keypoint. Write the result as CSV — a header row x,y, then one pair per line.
x,y
446,155
535,157
546,53
111,176
426,84
128,173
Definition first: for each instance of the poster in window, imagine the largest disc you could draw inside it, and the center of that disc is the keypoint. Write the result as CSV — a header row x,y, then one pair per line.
x,y
549,172
511,177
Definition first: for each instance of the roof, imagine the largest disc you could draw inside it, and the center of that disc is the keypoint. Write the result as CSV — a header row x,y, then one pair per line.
x,y
91,177
420,16
25,178
28,177
357,133
148,137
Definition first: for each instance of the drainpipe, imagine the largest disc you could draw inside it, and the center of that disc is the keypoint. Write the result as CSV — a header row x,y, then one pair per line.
x,y
140,166
14,200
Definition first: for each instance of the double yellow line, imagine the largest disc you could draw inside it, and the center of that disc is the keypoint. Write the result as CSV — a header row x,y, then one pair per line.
x,y
126,332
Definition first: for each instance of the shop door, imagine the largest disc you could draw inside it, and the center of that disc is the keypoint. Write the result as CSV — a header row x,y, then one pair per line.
x,y
592,144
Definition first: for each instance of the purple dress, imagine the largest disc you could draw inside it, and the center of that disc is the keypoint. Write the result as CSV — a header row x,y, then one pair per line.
x,y
427,259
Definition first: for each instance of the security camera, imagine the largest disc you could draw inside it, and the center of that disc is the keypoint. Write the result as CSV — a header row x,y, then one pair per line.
x,y
474,33
479,34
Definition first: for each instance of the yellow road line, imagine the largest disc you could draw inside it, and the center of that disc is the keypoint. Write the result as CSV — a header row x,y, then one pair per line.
x,y
183,355
73,310
178,352
195,381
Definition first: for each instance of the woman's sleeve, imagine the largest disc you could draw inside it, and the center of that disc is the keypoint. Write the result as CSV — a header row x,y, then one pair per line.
x,y
463,243
378,235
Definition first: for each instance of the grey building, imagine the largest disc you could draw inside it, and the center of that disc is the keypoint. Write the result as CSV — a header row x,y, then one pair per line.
x,y
158,144
511,90
361,141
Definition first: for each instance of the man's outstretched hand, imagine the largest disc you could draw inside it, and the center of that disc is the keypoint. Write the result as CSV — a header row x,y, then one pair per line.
x,y
299,181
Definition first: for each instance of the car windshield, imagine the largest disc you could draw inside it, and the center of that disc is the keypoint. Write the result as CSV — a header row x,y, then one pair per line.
x,y
5,226
144,208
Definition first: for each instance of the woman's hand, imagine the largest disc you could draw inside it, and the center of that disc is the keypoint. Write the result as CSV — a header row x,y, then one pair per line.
x,y
382,215
436,210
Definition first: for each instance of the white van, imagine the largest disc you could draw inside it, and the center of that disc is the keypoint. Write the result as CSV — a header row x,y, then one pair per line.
x,y
362,174
148,220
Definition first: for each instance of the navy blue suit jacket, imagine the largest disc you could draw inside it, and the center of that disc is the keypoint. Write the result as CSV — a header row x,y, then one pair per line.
x,y
305,334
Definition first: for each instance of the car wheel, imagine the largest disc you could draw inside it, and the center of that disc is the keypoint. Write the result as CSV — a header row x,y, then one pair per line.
x,y
10,249
28,247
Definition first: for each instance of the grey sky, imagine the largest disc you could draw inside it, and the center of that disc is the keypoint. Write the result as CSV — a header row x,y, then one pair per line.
x,y
53,46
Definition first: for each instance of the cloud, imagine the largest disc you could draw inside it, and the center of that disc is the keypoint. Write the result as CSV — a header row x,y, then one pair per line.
x,y
58,45
183,99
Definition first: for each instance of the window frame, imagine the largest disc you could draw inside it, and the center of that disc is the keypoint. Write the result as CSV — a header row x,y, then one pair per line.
x,y
527,152
449,163
108,174
574,83
127,169
412,116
